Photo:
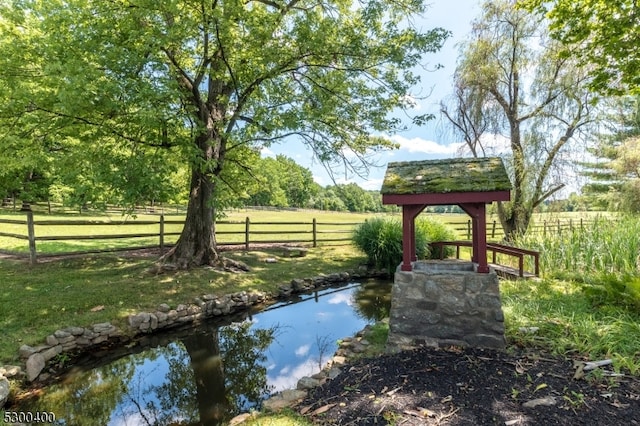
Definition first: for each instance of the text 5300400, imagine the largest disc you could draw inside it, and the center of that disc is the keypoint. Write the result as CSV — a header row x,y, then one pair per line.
x,y
29,417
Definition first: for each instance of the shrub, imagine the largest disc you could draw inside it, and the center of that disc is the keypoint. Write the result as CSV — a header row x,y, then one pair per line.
x,y
612,289
436,231
381,240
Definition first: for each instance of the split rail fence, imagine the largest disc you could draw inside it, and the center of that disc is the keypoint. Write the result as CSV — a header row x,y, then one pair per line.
x,y
238,233
44,241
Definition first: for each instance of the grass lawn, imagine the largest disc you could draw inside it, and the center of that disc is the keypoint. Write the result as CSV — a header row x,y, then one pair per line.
x,y
36,301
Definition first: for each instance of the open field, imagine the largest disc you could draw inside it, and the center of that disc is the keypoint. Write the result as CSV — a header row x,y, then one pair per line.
x,y
263,225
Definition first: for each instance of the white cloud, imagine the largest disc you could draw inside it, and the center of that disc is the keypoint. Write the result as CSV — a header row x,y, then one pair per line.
x,y
303,350
338,298
266,152
495,144
424,146
291,374
371,184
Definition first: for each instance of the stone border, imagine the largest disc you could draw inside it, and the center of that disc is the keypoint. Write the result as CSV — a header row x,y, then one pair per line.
x,y
74,341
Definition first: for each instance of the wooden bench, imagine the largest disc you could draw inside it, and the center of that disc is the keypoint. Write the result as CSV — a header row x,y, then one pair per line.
x,y
293,251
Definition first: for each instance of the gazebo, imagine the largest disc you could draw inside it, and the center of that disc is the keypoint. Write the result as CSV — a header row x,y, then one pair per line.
x,y
470,183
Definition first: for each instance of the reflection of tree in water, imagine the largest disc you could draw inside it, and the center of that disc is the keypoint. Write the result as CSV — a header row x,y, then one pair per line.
x,y
89,397
226,375
373,300
213,374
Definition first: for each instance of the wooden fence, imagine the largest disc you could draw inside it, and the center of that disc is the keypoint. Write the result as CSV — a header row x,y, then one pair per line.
x,y
163,232
495,231
240,233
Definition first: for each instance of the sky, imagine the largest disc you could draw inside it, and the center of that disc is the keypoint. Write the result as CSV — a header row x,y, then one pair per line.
x,y
427,142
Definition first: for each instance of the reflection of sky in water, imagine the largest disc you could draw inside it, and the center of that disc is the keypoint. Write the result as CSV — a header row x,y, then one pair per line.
x,y
305,338
310,330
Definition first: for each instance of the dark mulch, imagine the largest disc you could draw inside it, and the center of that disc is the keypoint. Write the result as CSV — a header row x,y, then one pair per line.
x,y
471,387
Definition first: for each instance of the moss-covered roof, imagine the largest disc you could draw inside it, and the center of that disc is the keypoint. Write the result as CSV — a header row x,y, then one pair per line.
x,y
445,176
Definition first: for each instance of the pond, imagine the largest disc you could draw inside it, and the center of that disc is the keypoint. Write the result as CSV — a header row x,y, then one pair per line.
x,y
206,375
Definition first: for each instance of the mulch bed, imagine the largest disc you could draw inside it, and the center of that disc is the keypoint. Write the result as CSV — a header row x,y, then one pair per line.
x,y
472,387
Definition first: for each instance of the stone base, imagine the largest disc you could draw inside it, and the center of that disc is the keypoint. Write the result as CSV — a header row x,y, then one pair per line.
x,y
444,303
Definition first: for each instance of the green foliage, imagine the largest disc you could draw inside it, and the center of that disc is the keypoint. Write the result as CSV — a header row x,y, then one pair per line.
x,y
436,231
605,246
569,323
280,182
381,240
601,33
612,290
614,176
212,82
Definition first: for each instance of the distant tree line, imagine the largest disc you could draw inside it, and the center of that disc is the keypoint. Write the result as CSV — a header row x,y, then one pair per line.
x,y
281,182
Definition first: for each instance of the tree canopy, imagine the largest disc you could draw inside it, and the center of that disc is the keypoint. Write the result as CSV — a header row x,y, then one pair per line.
x,y
208,83
602,33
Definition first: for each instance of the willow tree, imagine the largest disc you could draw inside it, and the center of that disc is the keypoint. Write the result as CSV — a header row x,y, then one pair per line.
x,y
511,81
217,80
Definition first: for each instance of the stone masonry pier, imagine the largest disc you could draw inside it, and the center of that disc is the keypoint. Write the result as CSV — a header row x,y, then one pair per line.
x,y
445,302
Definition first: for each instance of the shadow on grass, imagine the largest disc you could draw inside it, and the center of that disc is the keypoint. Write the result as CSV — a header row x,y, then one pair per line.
x,y
81,291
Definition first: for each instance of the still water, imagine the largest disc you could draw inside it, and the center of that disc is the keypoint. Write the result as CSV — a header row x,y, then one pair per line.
x,y
208,374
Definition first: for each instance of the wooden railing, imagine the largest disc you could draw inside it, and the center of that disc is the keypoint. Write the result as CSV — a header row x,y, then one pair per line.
x,y
496,248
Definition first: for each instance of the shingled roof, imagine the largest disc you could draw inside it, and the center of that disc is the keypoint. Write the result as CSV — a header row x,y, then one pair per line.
x,y
446,176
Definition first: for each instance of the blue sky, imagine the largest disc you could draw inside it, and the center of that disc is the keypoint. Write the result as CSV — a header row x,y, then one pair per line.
x,y
430,141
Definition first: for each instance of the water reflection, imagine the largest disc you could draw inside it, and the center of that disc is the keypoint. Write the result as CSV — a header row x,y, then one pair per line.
x,y
206,375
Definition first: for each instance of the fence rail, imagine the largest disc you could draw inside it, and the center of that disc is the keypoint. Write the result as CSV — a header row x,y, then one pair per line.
x,y
162,232
241,233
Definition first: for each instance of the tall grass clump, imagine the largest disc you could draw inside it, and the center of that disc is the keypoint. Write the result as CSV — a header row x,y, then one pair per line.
x,y
436,231
602,257
381,240
603,246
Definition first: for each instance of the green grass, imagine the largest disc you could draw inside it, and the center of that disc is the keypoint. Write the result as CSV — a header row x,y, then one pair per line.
x,y
330,226
36,301
569,323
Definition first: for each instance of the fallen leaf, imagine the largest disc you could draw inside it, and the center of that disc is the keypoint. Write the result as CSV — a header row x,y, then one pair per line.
x,y
323,409
540,386
392,392
305,410
97,308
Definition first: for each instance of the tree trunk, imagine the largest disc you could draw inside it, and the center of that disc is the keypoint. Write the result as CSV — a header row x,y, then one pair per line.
x,y
208,370
515,219
197,243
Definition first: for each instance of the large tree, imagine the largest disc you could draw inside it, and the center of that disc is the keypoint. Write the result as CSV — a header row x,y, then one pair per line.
x,y
214,81
602,33
511,82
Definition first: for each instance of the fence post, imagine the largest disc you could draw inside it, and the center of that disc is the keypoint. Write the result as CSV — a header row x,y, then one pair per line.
x,y
32,238
246,233
581,225
493,230
571,224
162,234
544,228
469,229
315,232
559,228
